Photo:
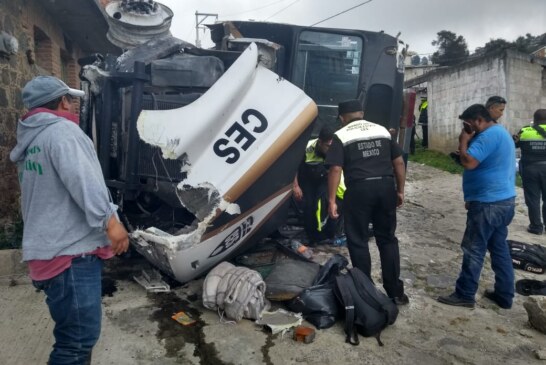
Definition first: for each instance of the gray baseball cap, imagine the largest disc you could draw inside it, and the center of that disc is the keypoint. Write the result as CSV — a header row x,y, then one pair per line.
x,y
43,89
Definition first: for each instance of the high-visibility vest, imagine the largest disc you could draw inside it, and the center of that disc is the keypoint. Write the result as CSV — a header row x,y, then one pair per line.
x,y
532,144
531,134
313,159
423,105
310,156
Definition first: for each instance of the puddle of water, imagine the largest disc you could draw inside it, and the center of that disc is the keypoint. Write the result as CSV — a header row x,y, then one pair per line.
x,y
175,335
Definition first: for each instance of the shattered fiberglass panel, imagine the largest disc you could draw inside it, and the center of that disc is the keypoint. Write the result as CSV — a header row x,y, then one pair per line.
x,y
227,139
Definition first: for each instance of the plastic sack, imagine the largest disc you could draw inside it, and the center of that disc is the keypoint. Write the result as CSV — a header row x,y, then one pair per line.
x,y
318,303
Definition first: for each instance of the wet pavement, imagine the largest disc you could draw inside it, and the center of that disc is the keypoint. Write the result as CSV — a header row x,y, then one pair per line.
x,y
138,328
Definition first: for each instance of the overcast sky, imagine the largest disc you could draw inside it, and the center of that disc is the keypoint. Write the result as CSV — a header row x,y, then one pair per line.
x,y
477,21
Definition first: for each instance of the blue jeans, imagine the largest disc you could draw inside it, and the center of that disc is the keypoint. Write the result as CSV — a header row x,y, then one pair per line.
x,y
74,301
487,229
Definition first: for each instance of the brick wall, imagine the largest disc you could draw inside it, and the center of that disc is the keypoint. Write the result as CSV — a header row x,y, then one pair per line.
x,y
25,19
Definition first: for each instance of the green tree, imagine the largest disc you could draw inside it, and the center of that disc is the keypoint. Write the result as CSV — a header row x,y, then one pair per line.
x,y
416,60
494,45
452,49
530,43
526,44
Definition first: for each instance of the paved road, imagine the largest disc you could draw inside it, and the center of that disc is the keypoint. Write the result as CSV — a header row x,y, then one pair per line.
x,y
137,328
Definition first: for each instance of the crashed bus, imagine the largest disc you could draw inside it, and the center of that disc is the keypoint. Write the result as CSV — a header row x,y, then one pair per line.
x,y
199,147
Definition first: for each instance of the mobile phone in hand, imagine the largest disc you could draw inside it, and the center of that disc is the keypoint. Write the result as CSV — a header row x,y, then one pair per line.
x,y
467,127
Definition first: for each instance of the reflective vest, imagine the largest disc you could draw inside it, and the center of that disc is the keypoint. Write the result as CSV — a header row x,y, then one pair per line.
x,y
423,105
532,144
321,213
312,158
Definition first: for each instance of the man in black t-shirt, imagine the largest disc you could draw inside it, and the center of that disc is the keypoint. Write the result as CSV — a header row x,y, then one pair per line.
x,y
374,171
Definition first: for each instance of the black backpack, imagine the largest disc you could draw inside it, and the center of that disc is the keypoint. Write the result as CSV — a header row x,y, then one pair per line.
x,y
367,309
528,257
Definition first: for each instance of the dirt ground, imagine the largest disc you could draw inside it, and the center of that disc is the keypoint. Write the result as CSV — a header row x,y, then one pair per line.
x,y
137,328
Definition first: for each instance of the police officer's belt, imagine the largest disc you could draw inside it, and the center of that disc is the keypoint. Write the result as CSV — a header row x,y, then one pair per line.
x,y
377,178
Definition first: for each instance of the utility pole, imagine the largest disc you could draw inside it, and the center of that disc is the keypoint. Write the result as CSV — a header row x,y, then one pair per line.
x,y
199,19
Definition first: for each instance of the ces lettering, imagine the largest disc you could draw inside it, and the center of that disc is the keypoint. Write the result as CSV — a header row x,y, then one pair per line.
x,y
240,135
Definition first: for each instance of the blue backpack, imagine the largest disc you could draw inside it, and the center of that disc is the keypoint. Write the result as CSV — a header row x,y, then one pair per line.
x,y
367,309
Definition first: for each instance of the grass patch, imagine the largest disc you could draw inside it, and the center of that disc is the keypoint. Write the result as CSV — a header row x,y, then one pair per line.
x,y
11,236
440,161
435,159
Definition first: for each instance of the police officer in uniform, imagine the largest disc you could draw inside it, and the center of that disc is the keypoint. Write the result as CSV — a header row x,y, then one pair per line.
x,y
532,141
423,120
375,176
310,188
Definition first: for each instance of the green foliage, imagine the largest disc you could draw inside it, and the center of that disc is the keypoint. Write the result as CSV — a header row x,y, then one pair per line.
x,y
440,161
416,60
11,236
529,43
525,44
435,159
494,45
452,49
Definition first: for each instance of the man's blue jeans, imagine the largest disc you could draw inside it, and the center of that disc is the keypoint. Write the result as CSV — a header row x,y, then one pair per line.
x,y
74,301
487,229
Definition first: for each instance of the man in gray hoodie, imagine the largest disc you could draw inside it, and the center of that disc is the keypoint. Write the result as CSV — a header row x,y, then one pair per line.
x,y
70,223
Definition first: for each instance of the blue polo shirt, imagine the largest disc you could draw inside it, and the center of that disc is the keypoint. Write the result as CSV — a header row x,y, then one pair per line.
x,y
494,178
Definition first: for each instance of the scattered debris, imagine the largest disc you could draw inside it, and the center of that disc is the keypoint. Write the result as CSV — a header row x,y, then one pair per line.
x,y
304,334
280,320
183,318
535,306
540,354
526,333
151,280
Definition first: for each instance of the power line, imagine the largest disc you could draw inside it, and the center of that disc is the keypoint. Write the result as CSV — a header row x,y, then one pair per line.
x,y
283,9
249,11
343,12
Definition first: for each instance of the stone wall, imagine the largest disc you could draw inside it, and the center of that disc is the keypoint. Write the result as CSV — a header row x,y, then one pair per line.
x,y
508,74
33,28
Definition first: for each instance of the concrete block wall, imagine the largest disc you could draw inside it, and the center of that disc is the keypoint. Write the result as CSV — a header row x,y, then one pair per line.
x,y
453,90
526,90
512,75
20,18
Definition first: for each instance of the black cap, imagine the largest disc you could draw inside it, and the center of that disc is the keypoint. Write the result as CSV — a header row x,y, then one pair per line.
x,y
349,106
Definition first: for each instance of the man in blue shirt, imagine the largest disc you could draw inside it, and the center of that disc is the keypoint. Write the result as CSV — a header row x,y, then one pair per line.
x,y
487,154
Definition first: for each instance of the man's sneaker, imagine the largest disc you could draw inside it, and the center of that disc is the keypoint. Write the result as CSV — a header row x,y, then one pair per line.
x,y
537,231
403,300
454,299
492,296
